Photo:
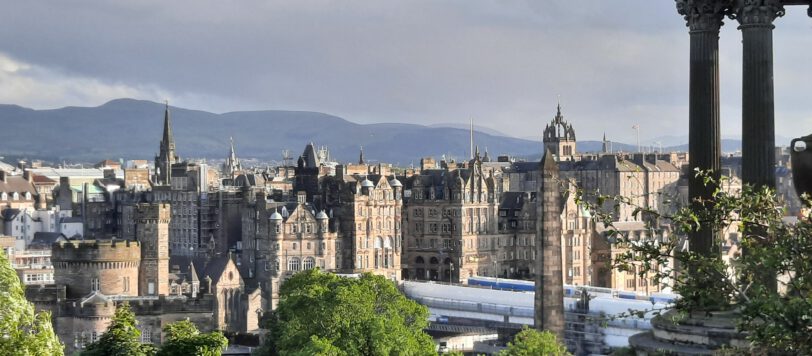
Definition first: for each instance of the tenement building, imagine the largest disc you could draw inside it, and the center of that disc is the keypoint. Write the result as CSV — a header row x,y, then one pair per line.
x,y
450,224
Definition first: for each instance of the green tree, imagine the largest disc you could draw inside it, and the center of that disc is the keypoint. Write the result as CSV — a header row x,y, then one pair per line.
x,y
529,342
330,315
122,337
776,321
183,338
23,331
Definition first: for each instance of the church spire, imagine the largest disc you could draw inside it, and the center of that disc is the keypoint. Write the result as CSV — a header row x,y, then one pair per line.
x,y
166,156
168,141
232,164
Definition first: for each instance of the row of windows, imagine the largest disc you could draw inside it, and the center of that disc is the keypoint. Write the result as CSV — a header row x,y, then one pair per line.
x,y
15,196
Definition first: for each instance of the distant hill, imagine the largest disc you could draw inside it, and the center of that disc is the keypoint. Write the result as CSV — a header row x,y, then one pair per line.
x,y
131,129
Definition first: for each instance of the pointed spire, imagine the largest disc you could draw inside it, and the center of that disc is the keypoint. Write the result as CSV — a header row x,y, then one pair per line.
x,y
168,140
361,156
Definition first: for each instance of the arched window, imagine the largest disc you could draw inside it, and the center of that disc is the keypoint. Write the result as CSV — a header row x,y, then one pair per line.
x,y
378,242
434,260
419,260
276,264
308,263
293,264
27,195
388,242
4,196
15,196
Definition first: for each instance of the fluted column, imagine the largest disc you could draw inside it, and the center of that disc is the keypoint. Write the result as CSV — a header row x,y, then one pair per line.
x,y
704,19
758,97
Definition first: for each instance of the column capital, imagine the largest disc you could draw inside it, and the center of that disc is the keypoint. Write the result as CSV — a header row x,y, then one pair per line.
x,y
756,13
703,15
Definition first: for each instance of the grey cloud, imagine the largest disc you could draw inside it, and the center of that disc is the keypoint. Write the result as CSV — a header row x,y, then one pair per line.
x,y
614,63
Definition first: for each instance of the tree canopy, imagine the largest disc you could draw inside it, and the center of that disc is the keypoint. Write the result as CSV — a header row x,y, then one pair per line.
x,y
183,338
23,331
324,314
529,342
121,338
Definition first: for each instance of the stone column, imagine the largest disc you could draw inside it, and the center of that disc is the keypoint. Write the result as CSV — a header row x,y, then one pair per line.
x,y
758,106
704,19
549,299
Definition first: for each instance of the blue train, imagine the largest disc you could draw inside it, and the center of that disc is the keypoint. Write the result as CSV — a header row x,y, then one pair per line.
x,y
569,291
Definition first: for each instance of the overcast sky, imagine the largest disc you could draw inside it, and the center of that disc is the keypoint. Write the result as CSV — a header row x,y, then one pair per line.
x,y
503,63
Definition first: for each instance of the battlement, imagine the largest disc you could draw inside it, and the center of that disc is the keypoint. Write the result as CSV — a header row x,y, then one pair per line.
x,y
86,251
142,306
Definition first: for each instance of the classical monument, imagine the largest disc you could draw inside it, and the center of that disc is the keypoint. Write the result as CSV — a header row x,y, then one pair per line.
x,y
704,18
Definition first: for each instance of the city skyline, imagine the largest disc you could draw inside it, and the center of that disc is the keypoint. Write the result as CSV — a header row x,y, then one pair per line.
x,y
496,63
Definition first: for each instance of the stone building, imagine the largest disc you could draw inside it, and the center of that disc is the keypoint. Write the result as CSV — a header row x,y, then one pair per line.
x,y
280,239
450,223
366,214
152,231
17,192
92,277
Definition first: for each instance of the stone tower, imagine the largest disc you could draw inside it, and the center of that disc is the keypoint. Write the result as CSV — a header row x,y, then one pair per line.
x,y
167,155
549,280
152,231
559,137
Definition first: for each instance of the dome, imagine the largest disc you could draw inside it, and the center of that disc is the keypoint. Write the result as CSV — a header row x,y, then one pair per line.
x,y
276,216
367,184
395,183
321,215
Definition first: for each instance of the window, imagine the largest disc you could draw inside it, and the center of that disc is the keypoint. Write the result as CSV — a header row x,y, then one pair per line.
x,y
126,282
293,264
94,284
146,335
151,288
308,263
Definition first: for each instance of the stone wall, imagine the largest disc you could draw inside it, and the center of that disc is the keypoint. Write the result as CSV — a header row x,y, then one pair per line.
x,y
109,266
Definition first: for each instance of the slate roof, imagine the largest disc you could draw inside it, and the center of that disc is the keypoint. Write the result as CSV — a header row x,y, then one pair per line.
x,y
17,184
44,240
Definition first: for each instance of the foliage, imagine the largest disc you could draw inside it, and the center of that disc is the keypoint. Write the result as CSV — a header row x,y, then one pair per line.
x,y
121,338
530,342
183,338
778,321
321,313
23,330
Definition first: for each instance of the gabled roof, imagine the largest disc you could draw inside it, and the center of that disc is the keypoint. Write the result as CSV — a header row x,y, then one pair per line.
x,y
215,268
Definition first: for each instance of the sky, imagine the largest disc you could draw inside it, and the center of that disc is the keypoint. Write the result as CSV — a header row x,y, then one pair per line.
x,y
505,64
